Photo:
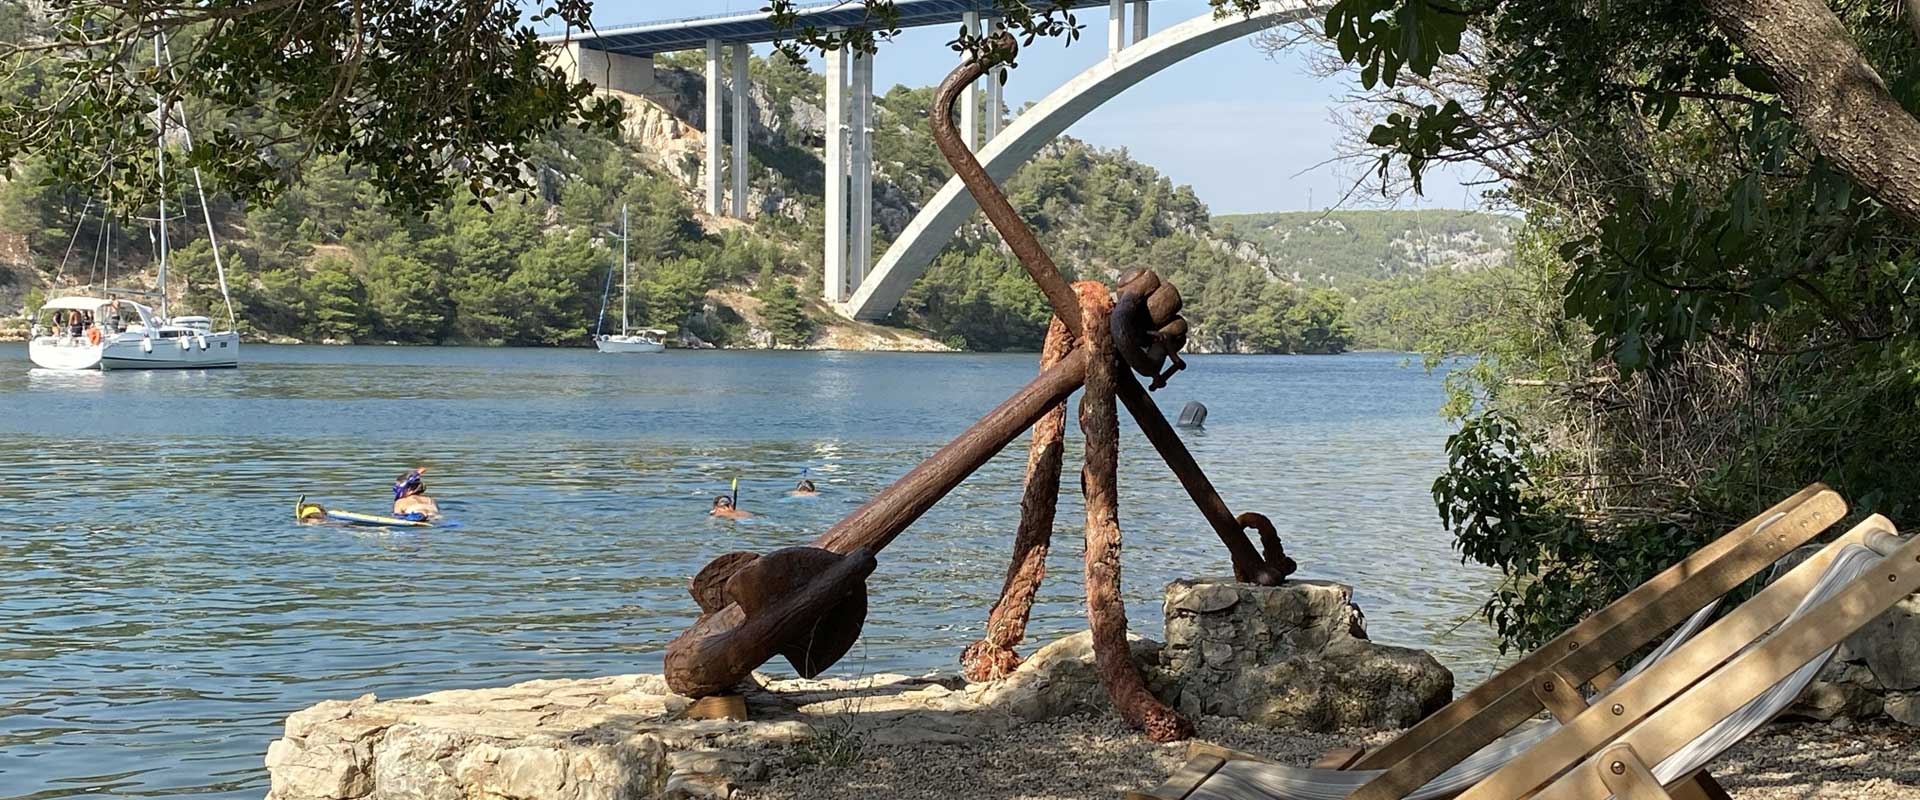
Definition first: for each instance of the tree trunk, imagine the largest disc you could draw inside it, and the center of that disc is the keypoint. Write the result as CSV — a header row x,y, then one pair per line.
x,y
1834,94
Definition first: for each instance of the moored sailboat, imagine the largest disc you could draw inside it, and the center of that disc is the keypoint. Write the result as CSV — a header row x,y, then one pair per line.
x,y
646,340
77,332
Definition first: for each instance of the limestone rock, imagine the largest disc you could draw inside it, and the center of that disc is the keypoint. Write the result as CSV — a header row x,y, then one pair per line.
x,y
1904,708
1844,691
1291,655
1890,646
1059,679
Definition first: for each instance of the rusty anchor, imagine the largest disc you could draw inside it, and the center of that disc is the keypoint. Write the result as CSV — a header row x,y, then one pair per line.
x,y
807,604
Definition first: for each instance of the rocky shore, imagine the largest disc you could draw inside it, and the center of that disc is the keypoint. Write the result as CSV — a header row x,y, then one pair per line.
x,y
1293,657
1286,673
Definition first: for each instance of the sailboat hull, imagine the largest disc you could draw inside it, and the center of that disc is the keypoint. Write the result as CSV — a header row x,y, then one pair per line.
x,y
204,351
629,344
63,353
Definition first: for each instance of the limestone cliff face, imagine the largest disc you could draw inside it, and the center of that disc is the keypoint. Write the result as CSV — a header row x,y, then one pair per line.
x,y
786,134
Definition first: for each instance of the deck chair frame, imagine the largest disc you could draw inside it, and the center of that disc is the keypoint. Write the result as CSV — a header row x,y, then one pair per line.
x,y
1587,730
1585,654
1598,642
1623,767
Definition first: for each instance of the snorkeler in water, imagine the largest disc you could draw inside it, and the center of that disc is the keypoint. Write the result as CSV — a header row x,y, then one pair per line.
x,y
410,498
723,507
804,488
308,513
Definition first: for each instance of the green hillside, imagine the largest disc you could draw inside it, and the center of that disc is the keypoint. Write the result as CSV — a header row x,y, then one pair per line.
x,y
1344,247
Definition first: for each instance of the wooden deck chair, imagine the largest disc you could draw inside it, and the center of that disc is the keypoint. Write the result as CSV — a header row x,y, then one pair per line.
x,y
1584,653
1721,685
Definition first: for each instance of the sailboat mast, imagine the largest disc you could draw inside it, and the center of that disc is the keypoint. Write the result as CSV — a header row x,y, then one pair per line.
x,y
160,146
623,269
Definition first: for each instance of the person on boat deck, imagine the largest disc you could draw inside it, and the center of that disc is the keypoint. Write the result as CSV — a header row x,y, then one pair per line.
x,y
410,496
804,488
723,507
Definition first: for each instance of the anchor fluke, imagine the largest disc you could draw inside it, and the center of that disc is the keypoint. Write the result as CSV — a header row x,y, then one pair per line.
x,y
804,603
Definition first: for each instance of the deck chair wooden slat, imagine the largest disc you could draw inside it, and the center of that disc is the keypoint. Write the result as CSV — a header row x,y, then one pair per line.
x,y
1752,673
1195,771
1636,700
1609,635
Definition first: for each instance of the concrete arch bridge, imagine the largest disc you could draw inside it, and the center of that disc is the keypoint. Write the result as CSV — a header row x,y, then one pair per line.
x,y
857,285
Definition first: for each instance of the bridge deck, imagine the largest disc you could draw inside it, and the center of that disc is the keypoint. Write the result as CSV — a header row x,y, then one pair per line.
x,y
666,36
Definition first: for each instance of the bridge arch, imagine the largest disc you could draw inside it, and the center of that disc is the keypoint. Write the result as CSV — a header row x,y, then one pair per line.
x,y
930,230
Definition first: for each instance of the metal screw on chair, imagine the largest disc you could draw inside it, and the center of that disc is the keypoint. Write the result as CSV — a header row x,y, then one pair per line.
x,y
1618,768
1619,709
1547,687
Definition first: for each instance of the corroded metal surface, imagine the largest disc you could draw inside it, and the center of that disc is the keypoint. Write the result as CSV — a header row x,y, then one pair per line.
x,y
993,657
1099,483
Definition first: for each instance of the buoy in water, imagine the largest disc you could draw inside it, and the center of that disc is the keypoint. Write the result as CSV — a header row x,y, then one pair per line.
x,y
1194,415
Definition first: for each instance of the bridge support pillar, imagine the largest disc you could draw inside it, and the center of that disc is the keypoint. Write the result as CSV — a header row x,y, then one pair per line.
x,y
836,288
994,79
1116,26
860,222
711,178
1139,20
970,102
738,164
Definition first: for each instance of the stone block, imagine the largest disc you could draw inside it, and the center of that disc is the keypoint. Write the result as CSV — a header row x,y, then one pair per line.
x,y
1290,655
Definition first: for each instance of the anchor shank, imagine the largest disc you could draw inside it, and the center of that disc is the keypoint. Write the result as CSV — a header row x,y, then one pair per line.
x,y
993,202
876,523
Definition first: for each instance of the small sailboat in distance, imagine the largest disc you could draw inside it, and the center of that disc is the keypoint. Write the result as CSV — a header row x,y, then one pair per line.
x,y
648,340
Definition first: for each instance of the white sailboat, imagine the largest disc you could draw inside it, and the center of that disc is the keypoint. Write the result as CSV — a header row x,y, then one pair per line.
x,y
647,340
77,332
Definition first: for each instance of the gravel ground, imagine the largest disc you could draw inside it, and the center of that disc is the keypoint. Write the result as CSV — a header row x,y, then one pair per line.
x,y
1085,757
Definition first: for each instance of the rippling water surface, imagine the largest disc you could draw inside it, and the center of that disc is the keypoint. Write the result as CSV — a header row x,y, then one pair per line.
x,y
160,613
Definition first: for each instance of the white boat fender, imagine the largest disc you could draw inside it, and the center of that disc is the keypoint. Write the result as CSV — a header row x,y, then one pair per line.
x,y
202,340
146,345
184,343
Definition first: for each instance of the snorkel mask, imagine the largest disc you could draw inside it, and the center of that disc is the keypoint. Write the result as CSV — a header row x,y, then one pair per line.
x,y
409,483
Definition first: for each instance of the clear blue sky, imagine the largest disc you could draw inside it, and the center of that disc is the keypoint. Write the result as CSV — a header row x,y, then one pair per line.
x,y
1245,130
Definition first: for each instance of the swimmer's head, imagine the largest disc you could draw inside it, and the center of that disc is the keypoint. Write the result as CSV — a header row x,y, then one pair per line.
x,y
410,482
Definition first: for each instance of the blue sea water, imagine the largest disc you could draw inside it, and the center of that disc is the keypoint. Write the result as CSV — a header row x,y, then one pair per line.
x,y
160,614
